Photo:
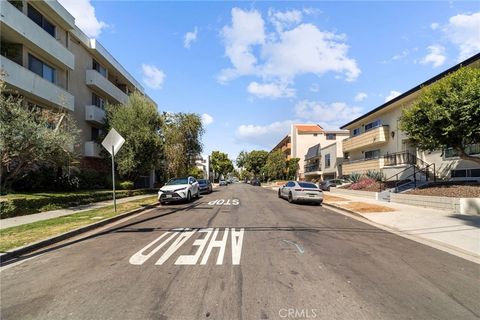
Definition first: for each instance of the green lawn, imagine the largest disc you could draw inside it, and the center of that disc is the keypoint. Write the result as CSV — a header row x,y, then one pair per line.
x,y
29,233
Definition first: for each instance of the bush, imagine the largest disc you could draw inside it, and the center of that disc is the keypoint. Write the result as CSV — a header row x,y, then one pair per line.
x,y
24,206
66,183
126,185
375,175
362,184
92,179
39,179
355,177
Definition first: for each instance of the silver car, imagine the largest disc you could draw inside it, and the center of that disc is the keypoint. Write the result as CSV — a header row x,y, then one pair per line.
x,y
296,191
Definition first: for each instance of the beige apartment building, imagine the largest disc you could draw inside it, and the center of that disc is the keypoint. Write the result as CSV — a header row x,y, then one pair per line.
x,y
322,163
301,138
377,143
53,64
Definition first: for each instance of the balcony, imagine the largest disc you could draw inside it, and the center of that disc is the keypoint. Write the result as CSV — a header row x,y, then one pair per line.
x,y
371,138
95,115
92,149
99,82
286,147
362,166
18,27
29,83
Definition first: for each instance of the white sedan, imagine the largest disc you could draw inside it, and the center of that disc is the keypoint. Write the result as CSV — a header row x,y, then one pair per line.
x,y
301,191
179,189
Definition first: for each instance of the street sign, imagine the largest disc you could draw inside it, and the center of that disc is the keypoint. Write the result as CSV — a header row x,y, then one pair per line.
x,y
113,139
113,142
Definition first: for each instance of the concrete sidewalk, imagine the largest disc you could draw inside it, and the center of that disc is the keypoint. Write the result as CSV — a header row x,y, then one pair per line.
x,y
17,221
455,231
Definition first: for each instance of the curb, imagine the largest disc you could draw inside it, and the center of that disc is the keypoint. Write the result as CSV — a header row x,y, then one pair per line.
x,y
346,210
14,253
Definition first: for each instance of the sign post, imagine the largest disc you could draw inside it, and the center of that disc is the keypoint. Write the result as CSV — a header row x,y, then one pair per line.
x,y
113,142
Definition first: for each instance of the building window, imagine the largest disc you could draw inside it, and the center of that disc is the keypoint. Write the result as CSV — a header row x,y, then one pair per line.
x,y
98,101
346,155
39,19
315,134
327,160
355,132
465,173
42,69
12,51
331,136
17,4
373,125
471,149
373,154
97,66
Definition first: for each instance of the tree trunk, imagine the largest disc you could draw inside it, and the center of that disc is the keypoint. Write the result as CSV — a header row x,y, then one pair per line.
x,y
464,156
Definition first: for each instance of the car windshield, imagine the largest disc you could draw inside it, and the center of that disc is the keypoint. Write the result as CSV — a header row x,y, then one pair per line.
x,y
202,181
307,185
173,182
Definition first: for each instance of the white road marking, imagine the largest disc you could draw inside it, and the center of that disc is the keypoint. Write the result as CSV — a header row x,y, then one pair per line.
x,y
237,242
182,238
223,202
139,258
299,247
201,243
216,244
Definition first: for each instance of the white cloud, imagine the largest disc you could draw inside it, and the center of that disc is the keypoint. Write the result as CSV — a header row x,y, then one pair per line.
x,y
84,14
329,115
152,76
434,25
436,56
270,90
463,30
393,94
293,49
190,37
207,119
360,96
264,136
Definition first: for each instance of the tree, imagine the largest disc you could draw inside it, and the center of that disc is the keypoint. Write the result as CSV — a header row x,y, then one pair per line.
x,y
292,168
182,133
241,159
446,114
275,165
31,137
196,172
139,122
256,160
220,163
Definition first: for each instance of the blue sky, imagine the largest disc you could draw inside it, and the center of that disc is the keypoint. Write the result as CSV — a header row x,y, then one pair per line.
x,y
252,68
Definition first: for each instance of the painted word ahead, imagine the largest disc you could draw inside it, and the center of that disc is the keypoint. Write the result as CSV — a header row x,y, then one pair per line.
x,y
224,202
207,240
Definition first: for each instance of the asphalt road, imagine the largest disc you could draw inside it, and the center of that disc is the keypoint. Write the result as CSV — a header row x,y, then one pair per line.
x,y
255,258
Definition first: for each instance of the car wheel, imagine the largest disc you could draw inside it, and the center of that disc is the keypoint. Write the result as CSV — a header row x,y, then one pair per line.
x,y
279,194
198,194
162,203
189,196
290,198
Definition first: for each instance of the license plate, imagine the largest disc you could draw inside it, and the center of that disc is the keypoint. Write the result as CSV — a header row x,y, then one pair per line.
x,y
311,195
169,195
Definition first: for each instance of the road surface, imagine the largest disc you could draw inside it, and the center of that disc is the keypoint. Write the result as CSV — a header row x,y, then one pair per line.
x,y
241,253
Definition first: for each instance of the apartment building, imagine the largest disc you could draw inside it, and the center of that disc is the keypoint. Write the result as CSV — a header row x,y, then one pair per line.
x,y
377,143
202,162
304,136
322,163
53,64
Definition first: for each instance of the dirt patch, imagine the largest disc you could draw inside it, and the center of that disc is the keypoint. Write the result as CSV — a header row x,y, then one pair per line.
x,y
329,198
362,207
454,191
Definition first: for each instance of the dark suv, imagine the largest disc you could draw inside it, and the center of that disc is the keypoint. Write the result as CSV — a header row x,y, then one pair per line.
x,y
325,185
255,182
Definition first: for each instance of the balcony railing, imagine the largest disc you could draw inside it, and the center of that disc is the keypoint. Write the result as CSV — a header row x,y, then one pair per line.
x,y
99,82
371,138
399,158
94,114
312,168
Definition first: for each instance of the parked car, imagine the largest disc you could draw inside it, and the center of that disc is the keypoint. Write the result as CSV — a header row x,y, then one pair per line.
x,y
295,191
325,185
222,183
205,186
179,189
255,182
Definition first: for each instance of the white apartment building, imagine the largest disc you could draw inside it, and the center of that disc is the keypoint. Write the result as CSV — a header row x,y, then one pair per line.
x,y
53,64
377,143
301,138
202,162
322,163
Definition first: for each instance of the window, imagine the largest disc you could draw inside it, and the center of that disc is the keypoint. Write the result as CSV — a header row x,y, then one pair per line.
x,y
331,136
17,4
12,51
471,149
307,185
42,69
327,160
346,155
97,66
373,154
315,134
98,101
465,173
356,132
291,184
95,133
39,19
373,125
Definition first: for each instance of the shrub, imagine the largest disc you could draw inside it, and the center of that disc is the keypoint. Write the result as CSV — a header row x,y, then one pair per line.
x,y
67,183
126,185
362,184
92,179
375,175
355,177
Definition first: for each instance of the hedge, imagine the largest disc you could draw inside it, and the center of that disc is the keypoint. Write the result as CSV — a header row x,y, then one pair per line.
x,y
25,206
